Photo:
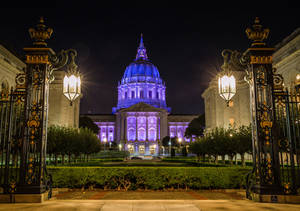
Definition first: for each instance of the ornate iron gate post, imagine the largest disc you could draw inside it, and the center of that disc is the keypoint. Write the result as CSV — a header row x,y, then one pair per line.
x,y
38,76
265,146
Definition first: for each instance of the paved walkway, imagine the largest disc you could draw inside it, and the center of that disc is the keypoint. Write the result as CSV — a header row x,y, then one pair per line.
x,y
149,205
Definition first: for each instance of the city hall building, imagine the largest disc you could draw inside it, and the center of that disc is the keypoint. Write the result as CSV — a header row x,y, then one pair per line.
x,y
141,118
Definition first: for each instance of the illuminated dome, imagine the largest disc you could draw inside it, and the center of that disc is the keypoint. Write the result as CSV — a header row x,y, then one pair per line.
x,y
141,82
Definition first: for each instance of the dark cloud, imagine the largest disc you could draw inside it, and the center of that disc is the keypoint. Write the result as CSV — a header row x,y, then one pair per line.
x,y
184,41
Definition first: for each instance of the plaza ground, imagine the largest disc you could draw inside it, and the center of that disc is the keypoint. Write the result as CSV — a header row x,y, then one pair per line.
x,y
204,200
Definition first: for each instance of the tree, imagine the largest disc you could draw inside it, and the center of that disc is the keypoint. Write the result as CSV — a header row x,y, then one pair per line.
x,y
195,127
218,142
91,143
87,122
165,141
244,141
199,147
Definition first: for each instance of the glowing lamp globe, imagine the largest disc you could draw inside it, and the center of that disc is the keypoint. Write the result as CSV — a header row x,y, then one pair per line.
x,y
227,87
72,87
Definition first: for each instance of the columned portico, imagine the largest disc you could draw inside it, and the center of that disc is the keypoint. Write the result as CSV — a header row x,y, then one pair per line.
x,y
142,128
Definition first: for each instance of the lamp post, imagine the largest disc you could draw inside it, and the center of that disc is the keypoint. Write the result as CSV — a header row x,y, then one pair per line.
x,y
104,140
256,61
120,147
179,141
170,145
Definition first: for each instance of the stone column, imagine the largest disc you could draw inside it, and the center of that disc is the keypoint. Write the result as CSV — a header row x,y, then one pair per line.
x,y
125,127
157,126
121,130
147,126
136,127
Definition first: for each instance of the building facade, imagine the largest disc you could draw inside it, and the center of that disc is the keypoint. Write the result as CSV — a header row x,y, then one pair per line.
x,y
286,60
60,112
141,118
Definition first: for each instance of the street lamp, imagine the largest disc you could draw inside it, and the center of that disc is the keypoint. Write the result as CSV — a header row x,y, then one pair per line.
x,y
120,147
227,83
170,145
72,80
104,140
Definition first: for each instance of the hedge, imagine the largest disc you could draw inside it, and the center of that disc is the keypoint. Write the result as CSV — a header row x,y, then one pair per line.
x,y
154,178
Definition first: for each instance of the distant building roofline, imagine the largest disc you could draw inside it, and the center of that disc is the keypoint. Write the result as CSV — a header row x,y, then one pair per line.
x,y
287,39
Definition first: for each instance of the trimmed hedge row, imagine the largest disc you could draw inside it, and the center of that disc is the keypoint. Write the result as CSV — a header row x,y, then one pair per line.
x,y
155,178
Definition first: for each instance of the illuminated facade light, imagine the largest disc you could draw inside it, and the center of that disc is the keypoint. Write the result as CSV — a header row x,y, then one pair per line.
x,y
72,86
227,87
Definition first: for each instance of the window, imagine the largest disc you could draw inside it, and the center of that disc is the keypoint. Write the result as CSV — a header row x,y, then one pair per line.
x,y
150,94
157,95
132,94
125,95
231,121
4,87
141,94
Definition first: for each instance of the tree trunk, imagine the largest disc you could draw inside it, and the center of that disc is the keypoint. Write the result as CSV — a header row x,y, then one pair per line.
x,y
63,159
223,159
216,159
231,159
55,157
243,159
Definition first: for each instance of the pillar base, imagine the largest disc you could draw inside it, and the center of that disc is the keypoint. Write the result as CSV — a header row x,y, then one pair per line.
x,y
291,199
24,198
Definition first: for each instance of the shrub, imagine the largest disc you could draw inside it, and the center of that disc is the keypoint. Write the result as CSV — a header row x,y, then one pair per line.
x,y
131,178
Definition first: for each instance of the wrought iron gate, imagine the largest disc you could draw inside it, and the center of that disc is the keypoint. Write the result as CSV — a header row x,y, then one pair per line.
x,y
286,132
287,110
12,105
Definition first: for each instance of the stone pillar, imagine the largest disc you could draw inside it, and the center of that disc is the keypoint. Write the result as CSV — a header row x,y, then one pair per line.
x,y
136,127
125,127
147,126
157,126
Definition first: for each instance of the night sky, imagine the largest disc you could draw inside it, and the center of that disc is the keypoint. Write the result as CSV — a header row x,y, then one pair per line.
x,y
183,41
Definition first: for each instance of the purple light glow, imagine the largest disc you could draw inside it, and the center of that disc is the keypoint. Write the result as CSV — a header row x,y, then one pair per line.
x,y
106,131
142,126
141,82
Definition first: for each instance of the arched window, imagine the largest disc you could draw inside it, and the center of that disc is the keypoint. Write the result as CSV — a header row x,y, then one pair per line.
x,y
141,134
4,86
125,95
150,94
152,134
132,94
131,134
141,94
157,95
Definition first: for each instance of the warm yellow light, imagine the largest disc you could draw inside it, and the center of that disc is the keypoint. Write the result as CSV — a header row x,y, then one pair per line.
x,y
104,140
72,86
227,87
179,140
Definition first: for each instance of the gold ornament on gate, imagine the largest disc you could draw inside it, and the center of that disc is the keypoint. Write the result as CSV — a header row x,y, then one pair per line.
x,y
257,34
40,34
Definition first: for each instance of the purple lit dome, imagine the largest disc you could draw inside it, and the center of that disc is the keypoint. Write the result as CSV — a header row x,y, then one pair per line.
x,y
141,82
141,68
